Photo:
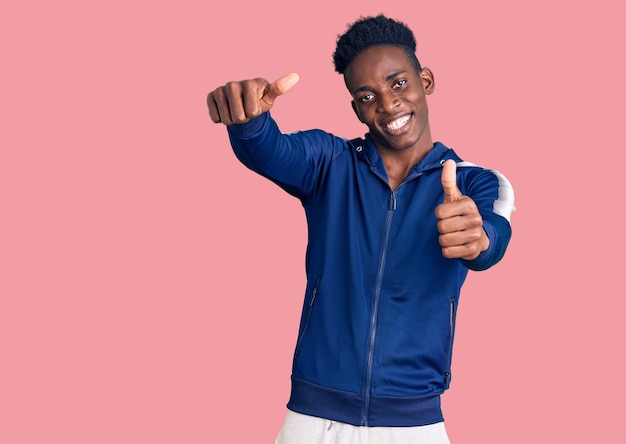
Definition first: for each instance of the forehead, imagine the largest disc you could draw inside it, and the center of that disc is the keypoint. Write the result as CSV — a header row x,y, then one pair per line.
x,y
374,65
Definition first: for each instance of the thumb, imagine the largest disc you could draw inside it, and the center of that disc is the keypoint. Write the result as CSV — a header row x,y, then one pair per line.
x,y
280,87
448,182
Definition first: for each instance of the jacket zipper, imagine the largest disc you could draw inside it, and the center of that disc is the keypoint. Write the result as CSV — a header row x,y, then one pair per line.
x,y
374,319
448,375
308,315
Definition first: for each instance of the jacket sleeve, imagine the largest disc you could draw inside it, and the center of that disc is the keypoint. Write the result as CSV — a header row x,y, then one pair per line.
x,y
493,194
296,162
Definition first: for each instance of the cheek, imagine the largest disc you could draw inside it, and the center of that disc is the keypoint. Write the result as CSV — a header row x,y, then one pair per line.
x,y
357,113
366,115
420,104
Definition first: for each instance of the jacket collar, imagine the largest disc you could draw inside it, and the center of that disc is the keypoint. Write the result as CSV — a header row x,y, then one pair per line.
x,y
435,158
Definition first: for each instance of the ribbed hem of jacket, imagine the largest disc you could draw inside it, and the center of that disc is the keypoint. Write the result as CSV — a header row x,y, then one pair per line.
x,y
384,411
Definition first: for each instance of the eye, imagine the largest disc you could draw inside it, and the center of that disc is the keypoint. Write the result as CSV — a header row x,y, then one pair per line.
x,y
366,98
399,84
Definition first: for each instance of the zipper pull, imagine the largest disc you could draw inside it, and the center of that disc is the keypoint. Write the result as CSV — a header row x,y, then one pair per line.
x,y
392,201
317,284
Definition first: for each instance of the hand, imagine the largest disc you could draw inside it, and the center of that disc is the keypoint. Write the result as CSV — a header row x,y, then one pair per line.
x,y
461,233
239,102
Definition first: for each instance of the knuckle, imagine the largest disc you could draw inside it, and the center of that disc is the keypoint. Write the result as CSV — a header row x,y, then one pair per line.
x,y
232,87
218,94
472,236
438,213
239,118
442,241
253,86
476,221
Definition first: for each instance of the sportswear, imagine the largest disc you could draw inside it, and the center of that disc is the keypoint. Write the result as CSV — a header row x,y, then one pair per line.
x,y
374,346
305,429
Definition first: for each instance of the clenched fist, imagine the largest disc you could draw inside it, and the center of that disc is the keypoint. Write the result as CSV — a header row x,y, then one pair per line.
x,y
461,233
239,102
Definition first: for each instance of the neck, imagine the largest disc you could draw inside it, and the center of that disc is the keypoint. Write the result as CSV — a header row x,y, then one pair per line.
x,y
398,164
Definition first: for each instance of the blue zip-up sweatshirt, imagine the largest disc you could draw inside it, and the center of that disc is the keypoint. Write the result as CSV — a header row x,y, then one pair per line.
x,y
375,340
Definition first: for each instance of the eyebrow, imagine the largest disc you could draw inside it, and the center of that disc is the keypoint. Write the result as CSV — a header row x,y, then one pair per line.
x,y
388,78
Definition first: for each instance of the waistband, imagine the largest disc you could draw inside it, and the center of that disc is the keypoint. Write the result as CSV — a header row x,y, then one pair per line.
x,y
384,411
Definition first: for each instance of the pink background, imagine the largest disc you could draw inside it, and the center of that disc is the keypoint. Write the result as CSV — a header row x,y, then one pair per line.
x,y
150,286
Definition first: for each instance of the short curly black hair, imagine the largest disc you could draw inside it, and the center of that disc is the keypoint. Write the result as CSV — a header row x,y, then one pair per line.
x,y
373,31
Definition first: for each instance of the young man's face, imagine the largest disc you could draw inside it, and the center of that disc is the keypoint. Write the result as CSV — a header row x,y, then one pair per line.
x,y
389,96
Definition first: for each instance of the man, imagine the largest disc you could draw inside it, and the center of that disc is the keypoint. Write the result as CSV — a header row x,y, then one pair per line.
x,y
394,227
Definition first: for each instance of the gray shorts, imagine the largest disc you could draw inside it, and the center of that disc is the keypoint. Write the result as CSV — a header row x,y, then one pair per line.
x,y
303,429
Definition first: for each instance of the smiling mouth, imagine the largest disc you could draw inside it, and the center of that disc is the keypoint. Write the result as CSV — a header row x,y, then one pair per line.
x,y
397,124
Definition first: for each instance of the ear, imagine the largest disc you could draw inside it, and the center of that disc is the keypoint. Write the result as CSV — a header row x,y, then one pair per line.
x,y
428,80
356,111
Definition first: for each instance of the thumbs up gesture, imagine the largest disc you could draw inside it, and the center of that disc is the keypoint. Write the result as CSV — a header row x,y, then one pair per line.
x,y
460,225
239,102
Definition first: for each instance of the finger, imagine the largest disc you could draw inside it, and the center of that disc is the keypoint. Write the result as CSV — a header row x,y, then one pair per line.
x,y
253,91
280,87
223,108
458,215
213,111
451,192
450,225
236,107
460,252
459,238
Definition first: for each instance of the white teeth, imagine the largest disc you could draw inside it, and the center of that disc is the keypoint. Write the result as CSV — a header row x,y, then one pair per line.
x,y
399,123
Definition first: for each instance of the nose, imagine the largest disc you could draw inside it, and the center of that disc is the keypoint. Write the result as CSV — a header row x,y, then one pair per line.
x,y
388,102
